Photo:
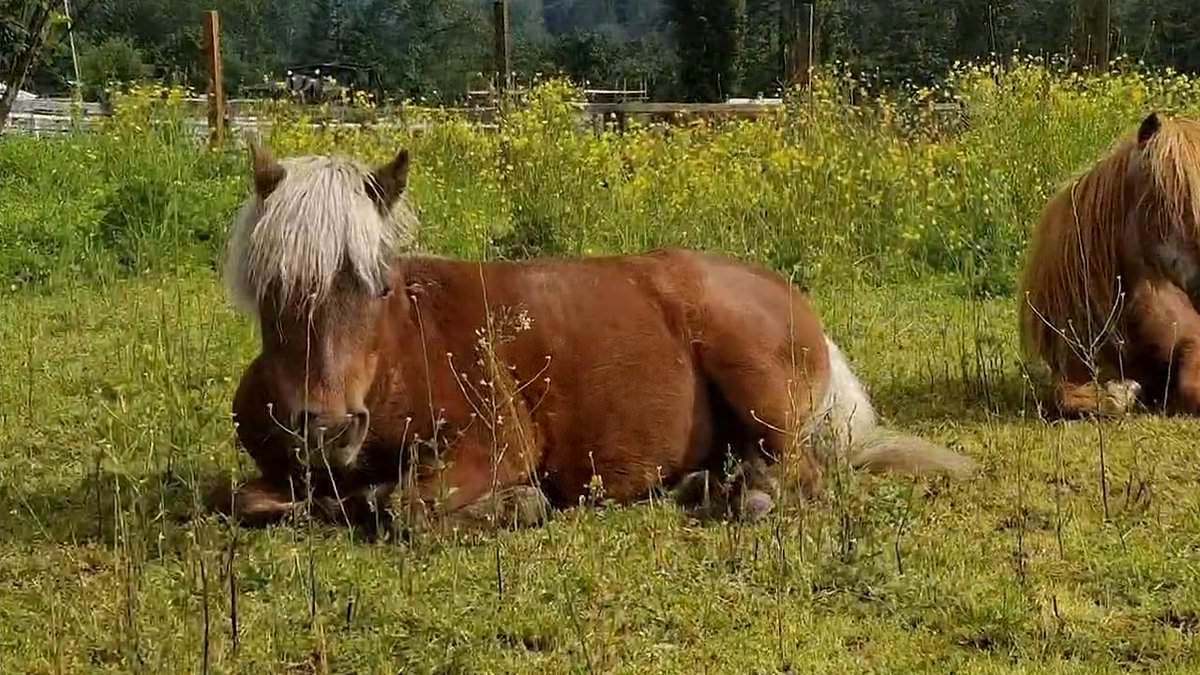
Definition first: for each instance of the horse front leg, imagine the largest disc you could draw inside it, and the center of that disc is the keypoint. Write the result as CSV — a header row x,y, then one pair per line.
x,y
473,490
1168,333
256,503
1077,393
376,508
262,501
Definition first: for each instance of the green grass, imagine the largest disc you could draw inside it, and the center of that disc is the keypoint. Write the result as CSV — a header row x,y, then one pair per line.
x,y
1075,551
114,413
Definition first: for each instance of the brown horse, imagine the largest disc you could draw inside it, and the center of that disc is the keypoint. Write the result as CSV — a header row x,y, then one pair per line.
x,y
461,387
1110,276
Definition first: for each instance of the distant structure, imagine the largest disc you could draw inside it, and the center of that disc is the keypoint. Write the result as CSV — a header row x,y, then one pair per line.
x,y
321,82
22,95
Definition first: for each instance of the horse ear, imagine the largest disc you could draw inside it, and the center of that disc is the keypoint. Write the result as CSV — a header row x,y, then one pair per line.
x,y
1149,127
267,170
390,181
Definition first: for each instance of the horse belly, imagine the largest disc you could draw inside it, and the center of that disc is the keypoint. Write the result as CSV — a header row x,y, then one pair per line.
x,y
635,420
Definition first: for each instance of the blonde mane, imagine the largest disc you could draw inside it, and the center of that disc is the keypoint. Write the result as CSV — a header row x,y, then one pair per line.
x,y
318,221
1075,281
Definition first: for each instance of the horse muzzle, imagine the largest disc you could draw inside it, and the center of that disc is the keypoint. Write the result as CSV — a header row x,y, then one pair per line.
x,y
334,440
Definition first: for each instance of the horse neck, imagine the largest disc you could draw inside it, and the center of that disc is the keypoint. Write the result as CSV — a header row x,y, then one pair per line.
x,y
408,337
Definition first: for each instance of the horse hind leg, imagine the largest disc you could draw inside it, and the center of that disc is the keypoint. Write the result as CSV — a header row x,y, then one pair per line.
x,y
736,482
748,495
772,404
700,493
754,490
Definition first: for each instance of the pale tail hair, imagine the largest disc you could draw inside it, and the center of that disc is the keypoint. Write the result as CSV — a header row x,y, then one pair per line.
x,y
852,422
318,221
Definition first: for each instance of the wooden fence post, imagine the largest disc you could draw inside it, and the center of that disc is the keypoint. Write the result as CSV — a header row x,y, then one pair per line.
x,y
503,48
798,26
216,85
77,86
1093,24
808,44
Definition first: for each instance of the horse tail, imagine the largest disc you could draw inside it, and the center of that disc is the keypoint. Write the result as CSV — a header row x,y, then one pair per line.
x,y
889,450
870,445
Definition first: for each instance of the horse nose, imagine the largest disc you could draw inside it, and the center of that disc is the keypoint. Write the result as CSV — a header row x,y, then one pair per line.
x,y
307,421
361,417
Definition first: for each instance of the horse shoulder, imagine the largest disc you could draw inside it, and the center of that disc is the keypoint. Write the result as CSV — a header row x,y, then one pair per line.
x,y
1176,258
256,422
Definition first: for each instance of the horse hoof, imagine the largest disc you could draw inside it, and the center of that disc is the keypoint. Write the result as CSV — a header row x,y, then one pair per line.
x,y
1120,396
694,490
527,506
755,506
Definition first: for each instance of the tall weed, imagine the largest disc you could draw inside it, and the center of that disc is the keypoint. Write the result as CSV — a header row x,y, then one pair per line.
x,y
838,183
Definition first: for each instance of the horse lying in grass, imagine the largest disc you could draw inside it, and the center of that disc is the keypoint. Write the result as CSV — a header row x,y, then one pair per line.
x,y
472,391
1111,273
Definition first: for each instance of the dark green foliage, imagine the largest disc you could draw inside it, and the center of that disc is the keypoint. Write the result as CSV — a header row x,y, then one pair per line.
x,y
1163,31
324,32
898,39
601,59
760,56
113,59
704,50
915,40
707,38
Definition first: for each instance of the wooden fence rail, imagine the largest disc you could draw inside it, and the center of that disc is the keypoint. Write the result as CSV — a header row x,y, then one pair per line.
x,y
54,115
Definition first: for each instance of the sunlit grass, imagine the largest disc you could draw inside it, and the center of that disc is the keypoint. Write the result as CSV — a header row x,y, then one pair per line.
x,y
120,356
111,433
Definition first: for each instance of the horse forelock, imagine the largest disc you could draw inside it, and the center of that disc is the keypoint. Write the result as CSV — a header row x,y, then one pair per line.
x,y
1172,160
318,222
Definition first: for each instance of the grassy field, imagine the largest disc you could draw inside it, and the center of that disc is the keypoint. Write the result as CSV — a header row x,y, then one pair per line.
x,y
1075,551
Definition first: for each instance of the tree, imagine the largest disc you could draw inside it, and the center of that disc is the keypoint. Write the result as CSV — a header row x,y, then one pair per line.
x,y
26,29
761,57
1165,32
706,37
701,50
425,48
114,59
324,38
895,40
1092,32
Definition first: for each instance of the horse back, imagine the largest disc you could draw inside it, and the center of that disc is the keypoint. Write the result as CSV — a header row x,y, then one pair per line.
x,y
607,353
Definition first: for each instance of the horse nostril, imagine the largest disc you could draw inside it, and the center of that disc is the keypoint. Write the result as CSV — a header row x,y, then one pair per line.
x,y
307,421
360,417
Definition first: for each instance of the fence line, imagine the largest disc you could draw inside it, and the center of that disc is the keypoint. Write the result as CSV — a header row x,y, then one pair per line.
x,y
59,115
